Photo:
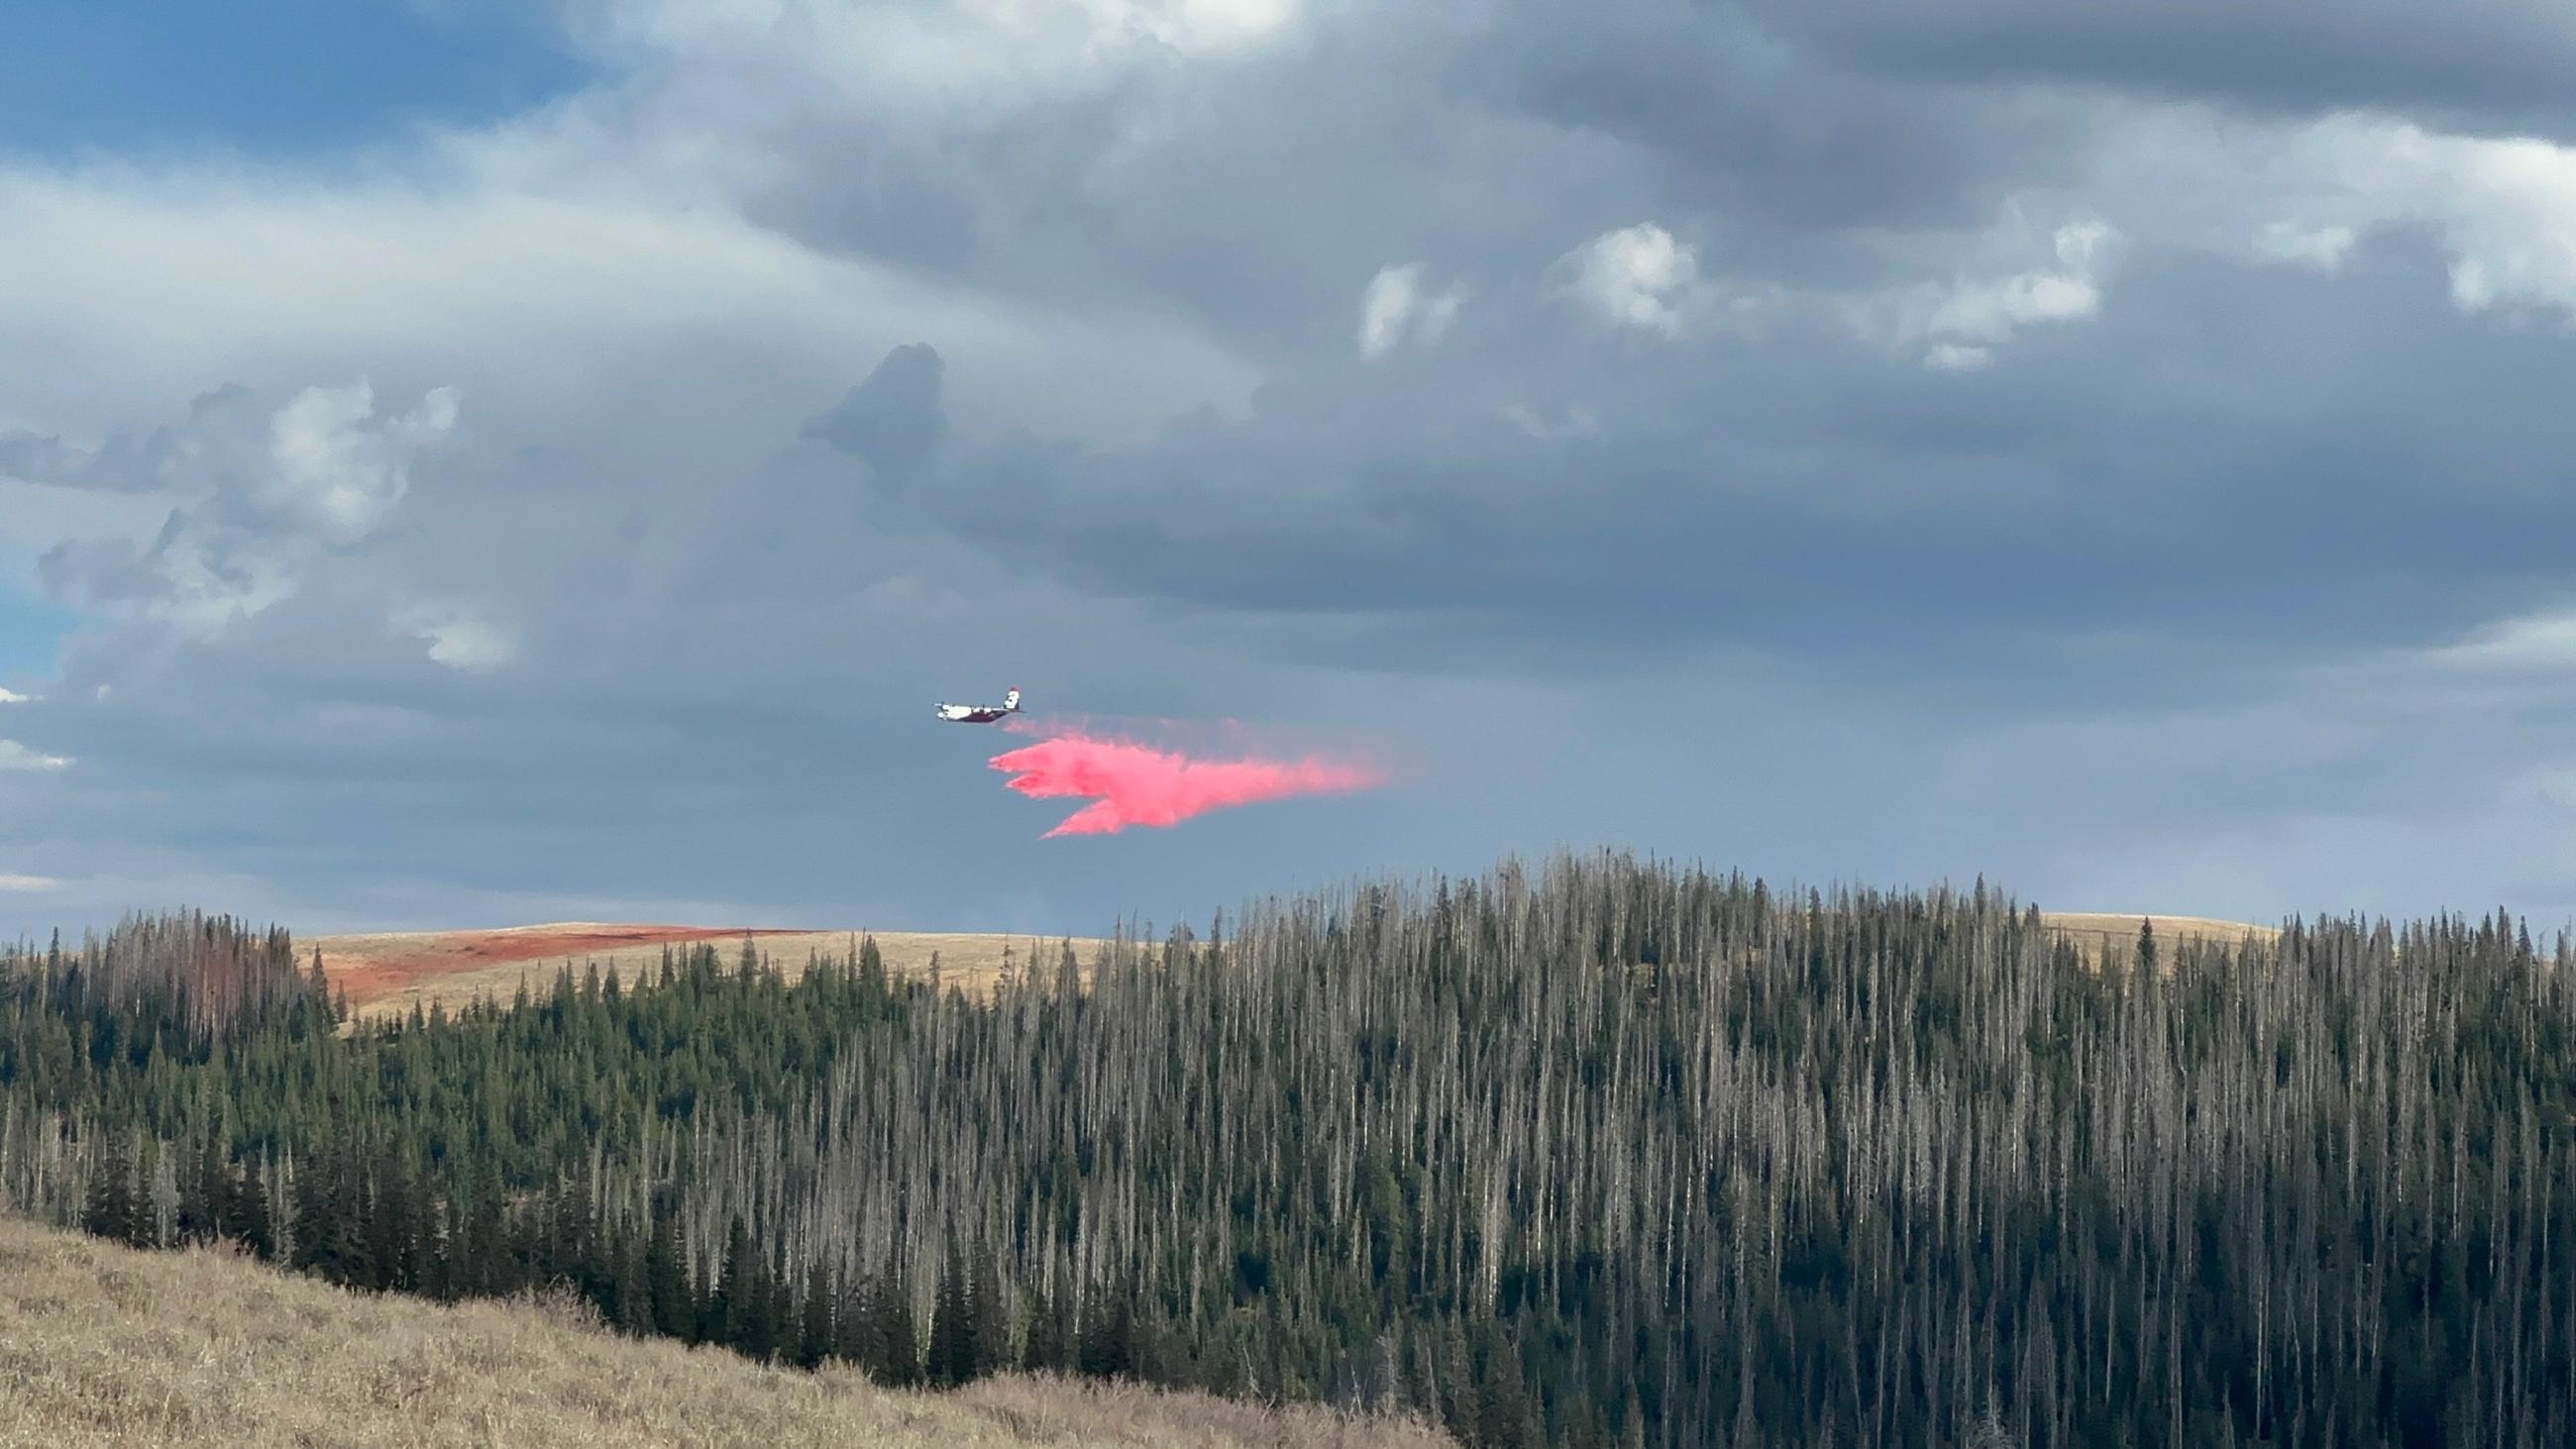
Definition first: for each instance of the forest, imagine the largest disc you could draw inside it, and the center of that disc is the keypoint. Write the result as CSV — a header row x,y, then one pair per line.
x,y
1601,1152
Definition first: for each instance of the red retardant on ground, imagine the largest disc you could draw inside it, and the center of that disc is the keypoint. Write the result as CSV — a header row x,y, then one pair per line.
x,y
372,969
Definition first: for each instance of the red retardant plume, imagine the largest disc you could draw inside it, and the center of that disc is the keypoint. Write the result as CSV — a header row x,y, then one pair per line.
x,y
1135,785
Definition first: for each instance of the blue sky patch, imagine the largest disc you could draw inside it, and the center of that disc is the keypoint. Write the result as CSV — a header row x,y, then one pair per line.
x,y
31,635
289,77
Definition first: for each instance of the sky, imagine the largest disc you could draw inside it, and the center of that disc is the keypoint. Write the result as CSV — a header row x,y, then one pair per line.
x,y
466,464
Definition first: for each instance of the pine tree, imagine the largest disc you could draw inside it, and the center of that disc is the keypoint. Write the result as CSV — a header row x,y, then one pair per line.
x,y
766,1320
1505,1417
157,1211
201,1195
110,1212
491,1265
897,1338
1042,1348
433,1245
740,1306
325,1215
1107,1335
854,1325
1455,1374
815,1338
251,1220
1068,979
636,1313
989,1317
952,1328
391,1245
666,1283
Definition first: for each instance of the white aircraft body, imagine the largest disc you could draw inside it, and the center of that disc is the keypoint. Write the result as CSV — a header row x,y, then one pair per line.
x,y
981,713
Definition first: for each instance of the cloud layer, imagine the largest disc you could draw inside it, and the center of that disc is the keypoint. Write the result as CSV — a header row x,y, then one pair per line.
x,y
2117,452
257,498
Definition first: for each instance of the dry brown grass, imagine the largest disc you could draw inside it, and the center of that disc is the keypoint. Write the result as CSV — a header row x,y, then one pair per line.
x,y
2093,932
387,974
105,1345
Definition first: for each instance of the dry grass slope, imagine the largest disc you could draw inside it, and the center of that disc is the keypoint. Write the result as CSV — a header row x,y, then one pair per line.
x,y
2093,932
104,1345
387,974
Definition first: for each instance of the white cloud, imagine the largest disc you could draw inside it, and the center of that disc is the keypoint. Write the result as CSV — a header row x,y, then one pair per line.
x,y
11,696
1579,421
28,884
2503,207
2549,785
1993,311
1958,324
2321,247
1395,309
335,467
126,296
254,498
2508,207
1189,26
15,756
2542,642
871,52
1642,277
461,641
1637,276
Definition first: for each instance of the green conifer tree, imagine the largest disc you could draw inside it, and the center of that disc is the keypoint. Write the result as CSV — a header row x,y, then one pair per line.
x,y
1042,1347
898,1338
815,1333
952,1327
110,1211
666,1281
854,1325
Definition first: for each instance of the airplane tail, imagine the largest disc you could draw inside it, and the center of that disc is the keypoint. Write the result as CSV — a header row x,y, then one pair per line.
x,y
1012,699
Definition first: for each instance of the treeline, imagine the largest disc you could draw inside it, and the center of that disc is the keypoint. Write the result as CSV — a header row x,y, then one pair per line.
x,y
482,1154
1624,1154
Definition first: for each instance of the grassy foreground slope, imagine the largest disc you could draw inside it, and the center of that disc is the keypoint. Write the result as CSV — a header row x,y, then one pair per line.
x,y
102,1345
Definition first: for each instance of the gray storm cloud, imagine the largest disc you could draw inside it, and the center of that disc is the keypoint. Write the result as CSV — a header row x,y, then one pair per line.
x,y
2028,374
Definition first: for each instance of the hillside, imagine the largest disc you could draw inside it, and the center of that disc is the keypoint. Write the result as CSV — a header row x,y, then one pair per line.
x,y
102,1345
388,973
2092,931
1604,1152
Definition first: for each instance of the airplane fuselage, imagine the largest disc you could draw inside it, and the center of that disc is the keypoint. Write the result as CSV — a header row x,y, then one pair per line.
x,y
981,713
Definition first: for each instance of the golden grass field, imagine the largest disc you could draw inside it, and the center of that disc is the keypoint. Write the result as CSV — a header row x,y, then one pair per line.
x,y
2094,931
388,973
105,1345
